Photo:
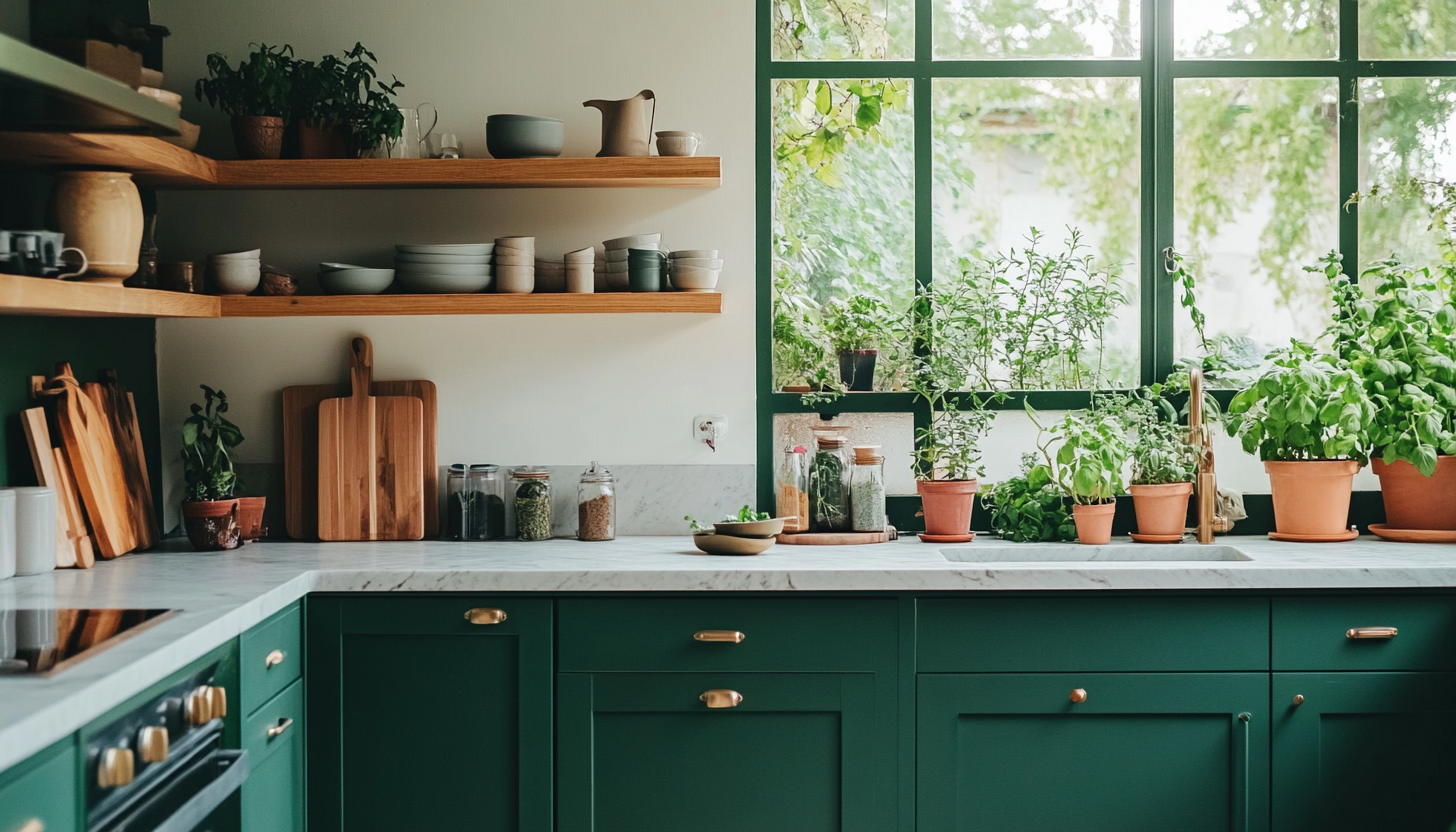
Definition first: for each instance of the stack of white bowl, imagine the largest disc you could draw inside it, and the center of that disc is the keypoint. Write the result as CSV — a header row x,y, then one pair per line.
x,y
694,270
444,269
347,279
617,279
515,265
550,276
236,272
581,271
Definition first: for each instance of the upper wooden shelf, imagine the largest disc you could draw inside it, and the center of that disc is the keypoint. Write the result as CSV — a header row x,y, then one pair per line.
x,y
157,164
37,296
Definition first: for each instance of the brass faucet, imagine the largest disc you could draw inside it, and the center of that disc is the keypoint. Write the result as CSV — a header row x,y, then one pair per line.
x,y
1205,486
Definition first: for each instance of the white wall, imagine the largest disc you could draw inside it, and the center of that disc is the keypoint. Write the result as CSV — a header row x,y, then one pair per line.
x,y
548,389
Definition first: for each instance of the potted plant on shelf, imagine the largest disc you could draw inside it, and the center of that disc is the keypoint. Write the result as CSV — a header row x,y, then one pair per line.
x,y
1092,450
255,95
856,329
367,109
209,511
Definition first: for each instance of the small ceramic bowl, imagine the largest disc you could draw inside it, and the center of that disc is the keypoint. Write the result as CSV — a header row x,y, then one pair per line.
x,y
617,255
678,145
550,282
634,241
697,262
523,137
437,268
580,281
722,544
618,281
444,259
516,280
443,284
255,254
236,277
618,268
521,243
695,253
333,267
507,258
757,528
355,281
585,255
472,249
695,281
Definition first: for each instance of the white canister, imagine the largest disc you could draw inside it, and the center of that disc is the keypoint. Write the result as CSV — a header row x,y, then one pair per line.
x,y
35,530
7,534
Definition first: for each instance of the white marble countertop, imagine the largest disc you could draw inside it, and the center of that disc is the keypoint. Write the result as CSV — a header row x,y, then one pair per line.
x,y
221,595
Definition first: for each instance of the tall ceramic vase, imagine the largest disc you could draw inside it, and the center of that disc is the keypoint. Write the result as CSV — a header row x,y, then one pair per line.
x,y
100,212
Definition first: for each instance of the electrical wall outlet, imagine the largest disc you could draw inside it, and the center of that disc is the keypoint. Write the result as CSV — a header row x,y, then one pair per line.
x,y
710,428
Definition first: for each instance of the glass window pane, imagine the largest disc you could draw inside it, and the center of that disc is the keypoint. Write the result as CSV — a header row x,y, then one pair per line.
x,y
1408,29
1058,156
843,213
843,30
1256,179
971,29
1406,129
1261,29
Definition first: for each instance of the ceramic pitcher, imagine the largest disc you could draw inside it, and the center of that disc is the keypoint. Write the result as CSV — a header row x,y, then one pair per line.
x,y
625,130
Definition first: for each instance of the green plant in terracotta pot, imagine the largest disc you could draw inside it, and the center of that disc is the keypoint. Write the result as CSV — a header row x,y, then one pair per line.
x,y
210,512
856,329
1164,462
1092,450
256,96
366,104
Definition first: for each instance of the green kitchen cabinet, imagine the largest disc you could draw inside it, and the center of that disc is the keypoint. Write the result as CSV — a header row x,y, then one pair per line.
x,y
1364,751
42,793
429,713
273,796
800,752
1016,752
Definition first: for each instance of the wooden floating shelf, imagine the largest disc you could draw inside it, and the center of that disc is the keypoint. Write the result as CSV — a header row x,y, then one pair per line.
x,y
156,164
38,296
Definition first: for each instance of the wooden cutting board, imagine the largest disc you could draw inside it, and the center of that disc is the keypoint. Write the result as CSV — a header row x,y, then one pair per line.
x,y
120,408
70,506
89,447
38,437
834,538
300,450
370,461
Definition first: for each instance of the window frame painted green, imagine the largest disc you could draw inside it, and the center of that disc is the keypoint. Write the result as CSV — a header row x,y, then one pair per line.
x,y
1157,70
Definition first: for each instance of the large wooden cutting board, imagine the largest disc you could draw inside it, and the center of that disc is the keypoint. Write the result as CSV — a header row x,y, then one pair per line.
x,y
120,409
89,446
300,450
371,460
73,543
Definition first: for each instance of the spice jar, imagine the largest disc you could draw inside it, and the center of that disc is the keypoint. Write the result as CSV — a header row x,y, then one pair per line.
x,y
530,504
867,490
829,485
596,505
475,509
792,503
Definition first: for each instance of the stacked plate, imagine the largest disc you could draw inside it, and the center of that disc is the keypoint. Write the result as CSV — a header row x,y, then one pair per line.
x,y
346,279
617,279
444,269
694,270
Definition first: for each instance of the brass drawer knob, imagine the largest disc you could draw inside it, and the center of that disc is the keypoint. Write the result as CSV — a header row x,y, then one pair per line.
x,y
116,768
1371,632
274,659
33,825
485,615
731,636
277,730
721,698
1079,696
1298,699
154,744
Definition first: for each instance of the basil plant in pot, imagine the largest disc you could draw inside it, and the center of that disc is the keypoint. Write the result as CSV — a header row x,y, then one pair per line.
x,y
856,329
1092,449
210,512
1164,462
255,95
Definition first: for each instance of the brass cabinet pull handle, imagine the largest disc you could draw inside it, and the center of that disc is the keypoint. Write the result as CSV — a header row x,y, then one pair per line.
x,y
117,767
282,726
721,698
33,825
1078,696
485,615
731,636
1371,632
274,659
1298,699
154,744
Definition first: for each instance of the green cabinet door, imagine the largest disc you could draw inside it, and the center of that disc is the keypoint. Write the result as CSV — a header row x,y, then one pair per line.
x,y
272,797
801,752
1365,751
420,718
41,793
1143,751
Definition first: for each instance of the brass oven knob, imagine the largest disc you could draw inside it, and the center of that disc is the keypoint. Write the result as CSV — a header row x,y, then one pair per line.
x,y
1079,696
153,743
721,698
485,615
217,701
117,768
33,825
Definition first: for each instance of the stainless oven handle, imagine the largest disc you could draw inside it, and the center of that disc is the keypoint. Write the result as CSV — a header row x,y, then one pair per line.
x,y
192,813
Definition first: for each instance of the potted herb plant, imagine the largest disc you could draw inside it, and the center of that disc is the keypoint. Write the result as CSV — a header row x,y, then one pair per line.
x,y
369,113
1164,463
1029,508
1092,450
210,513
856,328
255,95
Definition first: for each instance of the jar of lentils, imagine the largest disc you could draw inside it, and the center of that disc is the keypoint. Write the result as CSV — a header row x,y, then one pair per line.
x,y
596,505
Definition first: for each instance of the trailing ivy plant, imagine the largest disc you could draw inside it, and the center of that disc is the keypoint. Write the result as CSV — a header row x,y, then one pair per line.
x,y
1029,508
208,439
1092,449
260,86
1307,406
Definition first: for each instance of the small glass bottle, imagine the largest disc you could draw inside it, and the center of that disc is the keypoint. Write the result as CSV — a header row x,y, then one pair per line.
x,y
475,509
529,516
867,490
596,505
829,486
792,501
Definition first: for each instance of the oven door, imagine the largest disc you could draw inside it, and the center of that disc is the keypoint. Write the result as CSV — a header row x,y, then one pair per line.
x,y
181,796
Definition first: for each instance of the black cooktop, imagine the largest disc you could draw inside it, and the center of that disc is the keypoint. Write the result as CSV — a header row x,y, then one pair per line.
x,y
37,642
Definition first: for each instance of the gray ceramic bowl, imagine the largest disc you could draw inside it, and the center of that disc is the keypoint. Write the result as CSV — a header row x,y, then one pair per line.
x,y
523,137
355,281
444,284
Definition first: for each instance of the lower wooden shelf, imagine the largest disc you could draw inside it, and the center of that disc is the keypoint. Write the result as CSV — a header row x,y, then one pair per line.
x,y
80,299
554,304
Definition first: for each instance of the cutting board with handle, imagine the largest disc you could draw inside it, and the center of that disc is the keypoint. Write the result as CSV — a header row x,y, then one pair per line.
x,y
370,460
73,543
120,409
88,444
300,450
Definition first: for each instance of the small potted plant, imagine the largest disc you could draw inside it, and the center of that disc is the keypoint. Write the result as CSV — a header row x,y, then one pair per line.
x,y
209,511
1164,462
367,110
1092,450
255,95
1029,508
856,329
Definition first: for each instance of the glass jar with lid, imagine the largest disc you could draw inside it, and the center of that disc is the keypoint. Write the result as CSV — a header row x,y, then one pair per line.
x,y
829,485
475,507
529,516
792,495
596,505
867,490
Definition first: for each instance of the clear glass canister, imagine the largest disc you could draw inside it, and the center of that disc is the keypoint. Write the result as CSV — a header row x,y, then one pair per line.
x,y
530,503
596,505
867,490
792,482
829,486
475,506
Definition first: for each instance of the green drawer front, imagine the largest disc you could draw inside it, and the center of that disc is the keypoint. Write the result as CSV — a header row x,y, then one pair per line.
x,y
274,714
42,789
273,796
1310,633
997,635
780,634
282,633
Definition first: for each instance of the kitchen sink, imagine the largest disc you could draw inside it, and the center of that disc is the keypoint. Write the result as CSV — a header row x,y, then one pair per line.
x,y
1077,553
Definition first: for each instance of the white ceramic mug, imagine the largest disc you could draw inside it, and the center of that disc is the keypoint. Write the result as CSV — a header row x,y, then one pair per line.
x,y
35,530
7,535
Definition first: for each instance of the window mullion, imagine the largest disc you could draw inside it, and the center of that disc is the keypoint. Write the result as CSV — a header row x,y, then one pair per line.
x,y
1349,147
1157,190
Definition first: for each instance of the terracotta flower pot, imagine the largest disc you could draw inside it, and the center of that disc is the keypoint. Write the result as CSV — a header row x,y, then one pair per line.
x,y
947,505
212,525
258,137
857,370
321,142
1094,523
1312,497
100,212
1415,501
1161,509
250,517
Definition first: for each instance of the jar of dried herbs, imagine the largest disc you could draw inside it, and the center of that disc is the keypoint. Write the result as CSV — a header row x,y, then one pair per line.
x,y
596,505
867,489
530,514
829,485
792,501
475,508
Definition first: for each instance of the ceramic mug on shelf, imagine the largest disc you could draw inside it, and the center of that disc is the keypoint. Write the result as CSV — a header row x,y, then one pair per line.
x,y
38,254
